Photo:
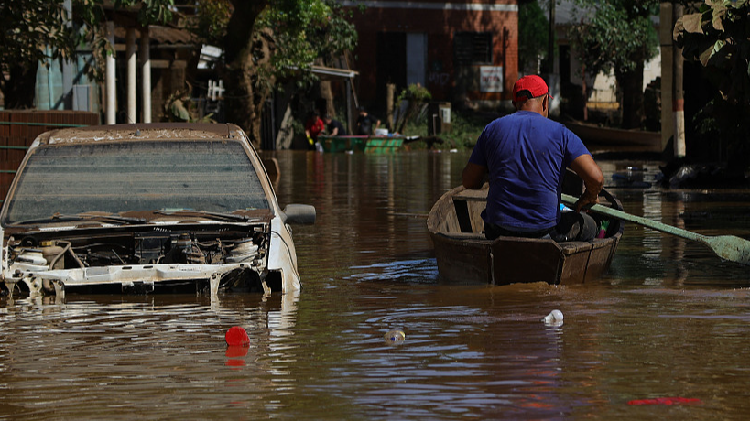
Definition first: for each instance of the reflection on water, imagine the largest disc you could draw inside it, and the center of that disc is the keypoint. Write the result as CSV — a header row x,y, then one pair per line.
x,y
94,356
669,319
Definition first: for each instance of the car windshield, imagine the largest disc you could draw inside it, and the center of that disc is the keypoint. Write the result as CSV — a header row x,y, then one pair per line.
x,y
200,175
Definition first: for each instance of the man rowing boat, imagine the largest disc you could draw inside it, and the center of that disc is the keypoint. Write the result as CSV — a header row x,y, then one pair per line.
x,y
526,155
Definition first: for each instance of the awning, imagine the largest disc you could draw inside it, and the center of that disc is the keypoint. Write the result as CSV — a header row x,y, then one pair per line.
x,y
329,73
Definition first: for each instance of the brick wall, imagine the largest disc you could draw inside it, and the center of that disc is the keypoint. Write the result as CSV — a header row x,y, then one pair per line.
x,y
440,21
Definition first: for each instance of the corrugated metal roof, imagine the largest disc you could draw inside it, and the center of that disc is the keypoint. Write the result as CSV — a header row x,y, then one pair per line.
x,y
163,35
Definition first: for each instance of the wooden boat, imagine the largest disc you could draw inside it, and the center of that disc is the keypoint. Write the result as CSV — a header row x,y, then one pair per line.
x,y
599,136
464,256
368,144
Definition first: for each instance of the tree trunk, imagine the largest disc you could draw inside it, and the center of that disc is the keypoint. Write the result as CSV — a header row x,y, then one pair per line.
x,y
326,93
631,83
20,87
245,52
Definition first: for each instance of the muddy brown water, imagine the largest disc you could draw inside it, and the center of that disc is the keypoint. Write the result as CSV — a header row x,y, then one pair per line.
x,y
668,320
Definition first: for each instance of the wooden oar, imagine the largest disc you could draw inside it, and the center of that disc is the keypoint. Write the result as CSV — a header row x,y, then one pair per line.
x,y
728,247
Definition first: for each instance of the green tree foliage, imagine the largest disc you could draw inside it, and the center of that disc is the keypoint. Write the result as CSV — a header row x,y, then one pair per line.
x,y
29,27
319,31
209,19
268,39
618,35
37,31
533,35
414,96
262,40
719,37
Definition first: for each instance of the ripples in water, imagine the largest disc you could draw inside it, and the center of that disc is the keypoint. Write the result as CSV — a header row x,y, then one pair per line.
x,y
669,319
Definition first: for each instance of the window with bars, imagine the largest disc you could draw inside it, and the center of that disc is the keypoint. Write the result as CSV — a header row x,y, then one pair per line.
x,y
472,48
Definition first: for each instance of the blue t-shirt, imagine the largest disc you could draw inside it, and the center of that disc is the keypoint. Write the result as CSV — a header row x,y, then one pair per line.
x,y
526,155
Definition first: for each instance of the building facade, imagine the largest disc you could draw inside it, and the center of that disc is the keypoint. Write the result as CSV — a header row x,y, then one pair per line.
x,y
464,52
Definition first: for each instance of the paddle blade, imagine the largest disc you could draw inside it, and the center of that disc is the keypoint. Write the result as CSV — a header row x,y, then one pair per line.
x,y
730,248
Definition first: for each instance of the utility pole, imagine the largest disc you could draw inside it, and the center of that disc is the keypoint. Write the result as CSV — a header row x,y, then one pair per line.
x,y
678,100
110,71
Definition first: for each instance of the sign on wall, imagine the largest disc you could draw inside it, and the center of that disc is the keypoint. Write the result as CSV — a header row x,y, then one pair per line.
x,y
491,79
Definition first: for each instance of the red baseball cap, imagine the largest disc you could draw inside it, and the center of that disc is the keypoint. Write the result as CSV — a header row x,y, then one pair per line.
x,y
531,83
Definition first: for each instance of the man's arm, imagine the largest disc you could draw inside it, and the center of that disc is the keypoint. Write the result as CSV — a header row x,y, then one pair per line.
x,y
593,180
472,176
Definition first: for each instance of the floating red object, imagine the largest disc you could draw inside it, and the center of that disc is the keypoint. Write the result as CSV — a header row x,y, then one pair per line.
x,y
236,336
673,400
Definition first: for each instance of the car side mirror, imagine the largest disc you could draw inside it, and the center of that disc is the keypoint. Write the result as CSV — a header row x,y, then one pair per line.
x,y
295,213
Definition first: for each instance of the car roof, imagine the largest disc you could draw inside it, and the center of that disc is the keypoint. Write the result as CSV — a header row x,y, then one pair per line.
x,y
140,132
113,133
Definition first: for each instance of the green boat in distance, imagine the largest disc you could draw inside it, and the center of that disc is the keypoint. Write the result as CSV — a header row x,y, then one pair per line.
x,y
378,144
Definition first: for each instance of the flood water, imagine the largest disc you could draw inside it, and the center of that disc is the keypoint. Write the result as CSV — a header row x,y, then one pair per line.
x,y
669,319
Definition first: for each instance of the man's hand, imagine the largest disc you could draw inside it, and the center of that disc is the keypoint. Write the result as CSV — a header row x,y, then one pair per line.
x,y
586,200
593,180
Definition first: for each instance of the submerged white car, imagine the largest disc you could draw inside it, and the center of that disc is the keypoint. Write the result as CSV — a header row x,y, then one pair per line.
x,y
139,207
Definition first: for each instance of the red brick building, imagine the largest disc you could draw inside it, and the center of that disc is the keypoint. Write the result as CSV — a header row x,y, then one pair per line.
x,y
463,51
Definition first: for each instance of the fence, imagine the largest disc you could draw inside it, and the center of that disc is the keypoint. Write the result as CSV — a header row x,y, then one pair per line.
x,y
18,129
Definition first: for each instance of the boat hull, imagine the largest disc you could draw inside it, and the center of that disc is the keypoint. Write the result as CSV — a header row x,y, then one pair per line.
x,y
596,137
465,257
368,144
